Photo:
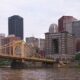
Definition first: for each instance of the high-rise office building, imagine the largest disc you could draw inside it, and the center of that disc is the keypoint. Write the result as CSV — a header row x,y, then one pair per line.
x,y
74,29
63,21
15,26
53,28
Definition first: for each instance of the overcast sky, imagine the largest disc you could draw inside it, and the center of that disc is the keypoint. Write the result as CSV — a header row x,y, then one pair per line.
x,y
37,14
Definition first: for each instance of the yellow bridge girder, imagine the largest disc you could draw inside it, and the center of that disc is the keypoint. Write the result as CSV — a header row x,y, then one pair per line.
x,y
20,50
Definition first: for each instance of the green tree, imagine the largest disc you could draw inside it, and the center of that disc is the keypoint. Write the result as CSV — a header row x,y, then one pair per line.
x,y
77,57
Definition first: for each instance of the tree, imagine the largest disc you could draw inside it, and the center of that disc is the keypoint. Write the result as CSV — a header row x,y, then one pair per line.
x,y
77,57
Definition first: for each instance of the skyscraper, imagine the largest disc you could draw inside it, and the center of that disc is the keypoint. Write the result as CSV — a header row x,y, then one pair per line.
x,y
63,21
74,29
15,26
53,28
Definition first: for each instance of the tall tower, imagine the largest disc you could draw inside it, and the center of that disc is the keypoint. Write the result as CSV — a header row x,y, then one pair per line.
x,y
53,28
15,26
63,21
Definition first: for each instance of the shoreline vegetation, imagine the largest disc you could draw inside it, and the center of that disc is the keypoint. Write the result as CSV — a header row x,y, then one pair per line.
x,y
70,65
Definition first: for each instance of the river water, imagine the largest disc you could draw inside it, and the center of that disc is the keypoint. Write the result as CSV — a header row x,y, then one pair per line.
x,y
40,74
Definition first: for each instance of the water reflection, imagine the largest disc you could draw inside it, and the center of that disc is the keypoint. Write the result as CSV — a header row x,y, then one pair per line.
x,y
9,74
40,74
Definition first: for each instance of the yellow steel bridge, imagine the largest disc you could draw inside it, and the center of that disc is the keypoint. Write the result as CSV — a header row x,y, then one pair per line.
x,y
20,50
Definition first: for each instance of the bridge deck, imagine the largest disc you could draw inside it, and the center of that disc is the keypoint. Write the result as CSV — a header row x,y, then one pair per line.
x,y
20,48
27,58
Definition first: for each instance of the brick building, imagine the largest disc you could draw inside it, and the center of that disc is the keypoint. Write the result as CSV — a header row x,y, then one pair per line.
x,y
36,42
7,40
32,41
59,45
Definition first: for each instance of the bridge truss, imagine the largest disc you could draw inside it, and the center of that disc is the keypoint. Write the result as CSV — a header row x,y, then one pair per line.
x,y
21,50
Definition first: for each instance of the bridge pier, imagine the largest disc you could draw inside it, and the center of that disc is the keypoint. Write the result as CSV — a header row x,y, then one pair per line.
x,y
47,64
18,64
54,64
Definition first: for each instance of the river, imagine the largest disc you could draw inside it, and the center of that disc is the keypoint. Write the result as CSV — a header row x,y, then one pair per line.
x,y
40,74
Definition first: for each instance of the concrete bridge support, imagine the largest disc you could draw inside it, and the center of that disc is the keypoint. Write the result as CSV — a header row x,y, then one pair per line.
x,y
18,64
47,64
54,64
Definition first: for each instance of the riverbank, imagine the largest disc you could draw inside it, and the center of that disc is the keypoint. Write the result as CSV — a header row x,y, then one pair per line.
x,y
75,64
39,65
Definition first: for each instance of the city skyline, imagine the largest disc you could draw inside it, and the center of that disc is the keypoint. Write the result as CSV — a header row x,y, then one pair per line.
x,y
37,14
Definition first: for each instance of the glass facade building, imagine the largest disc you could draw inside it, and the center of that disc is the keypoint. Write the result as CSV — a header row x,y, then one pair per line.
x,y
15,26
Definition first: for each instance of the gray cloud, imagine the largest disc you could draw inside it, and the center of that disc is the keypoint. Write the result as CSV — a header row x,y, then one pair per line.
x,y
37,14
